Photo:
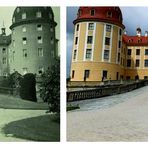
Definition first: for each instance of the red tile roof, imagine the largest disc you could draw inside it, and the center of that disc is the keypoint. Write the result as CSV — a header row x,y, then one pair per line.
x,y
102,14
135,40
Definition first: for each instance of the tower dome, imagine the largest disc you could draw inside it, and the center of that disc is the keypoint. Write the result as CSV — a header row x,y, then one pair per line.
x,y
102,14
33,46
25,15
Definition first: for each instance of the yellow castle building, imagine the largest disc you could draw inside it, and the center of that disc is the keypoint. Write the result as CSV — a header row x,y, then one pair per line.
x,y
101,49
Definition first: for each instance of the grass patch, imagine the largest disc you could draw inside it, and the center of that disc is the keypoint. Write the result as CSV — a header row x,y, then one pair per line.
x,y
42,128
11,102
72,107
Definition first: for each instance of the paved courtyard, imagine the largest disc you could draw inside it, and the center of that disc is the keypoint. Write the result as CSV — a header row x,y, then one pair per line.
x,y
121,117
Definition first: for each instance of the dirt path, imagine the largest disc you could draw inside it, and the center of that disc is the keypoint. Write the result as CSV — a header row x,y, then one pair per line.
x,y
9,115
127,121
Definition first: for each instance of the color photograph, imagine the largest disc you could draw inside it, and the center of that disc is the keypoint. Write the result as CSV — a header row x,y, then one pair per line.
x,y
107,73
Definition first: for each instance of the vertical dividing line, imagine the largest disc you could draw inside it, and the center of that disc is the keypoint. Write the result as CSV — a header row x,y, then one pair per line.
x,y
63,73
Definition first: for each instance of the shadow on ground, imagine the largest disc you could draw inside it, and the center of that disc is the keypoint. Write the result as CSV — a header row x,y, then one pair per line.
x,y
41,128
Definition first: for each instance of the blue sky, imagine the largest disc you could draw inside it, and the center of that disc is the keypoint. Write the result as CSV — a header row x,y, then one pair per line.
x,y
133,17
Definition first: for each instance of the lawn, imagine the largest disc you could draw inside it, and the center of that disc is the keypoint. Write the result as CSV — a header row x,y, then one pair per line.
x,y
41,128
11,102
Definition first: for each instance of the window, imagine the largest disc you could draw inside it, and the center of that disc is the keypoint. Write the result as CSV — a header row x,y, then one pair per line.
x,y
24,29
89,39
73,74
139,40
137,51
118,57
77,28
76,40
41,70
137,62
40,52
88,53
86,74
18,10
75,54
109,14
120,32
106,54
51,28
25,70
128,63
4,50
104,74
108,28
24,40
39,27
146,63
129,51
119,44
107,41
38,14
25,53
13,20
4,60
92,12
52,40
50,16
91,26
40,41
146,51
23,16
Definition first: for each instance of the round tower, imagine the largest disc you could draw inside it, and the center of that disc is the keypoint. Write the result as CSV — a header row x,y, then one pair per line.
x,y
97,44
33,42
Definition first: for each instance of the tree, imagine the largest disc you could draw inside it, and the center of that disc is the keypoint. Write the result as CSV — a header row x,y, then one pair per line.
x,y
50,87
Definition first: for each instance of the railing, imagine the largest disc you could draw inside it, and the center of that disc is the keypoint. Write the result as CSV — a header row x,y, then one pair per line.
x,y
104,91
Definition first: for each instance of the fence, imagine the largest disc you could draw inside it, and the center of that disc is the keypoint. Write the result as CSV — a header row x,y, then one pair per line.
x,y
102,91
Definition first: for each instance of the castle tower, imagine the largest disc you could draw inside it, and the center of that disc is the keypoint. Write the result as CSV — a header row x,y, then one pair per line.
x,y
97,44
33,41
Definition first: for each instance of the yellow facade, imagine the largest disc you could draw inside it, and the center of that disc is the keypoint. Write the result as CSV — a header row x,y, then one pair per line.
x,y
97,64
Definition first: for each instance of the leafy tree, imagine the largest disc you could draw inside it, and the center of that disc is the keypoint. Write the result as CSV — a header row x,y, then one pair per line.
x,y
50,87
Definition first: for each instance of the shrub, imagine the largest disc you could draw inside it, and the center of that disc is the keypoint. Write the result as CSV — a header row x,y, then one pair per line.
x,y
50,87
27,87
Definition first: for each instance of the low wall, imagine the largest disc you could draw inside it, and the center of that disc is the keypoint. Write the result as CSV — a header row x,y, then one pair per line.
x,y
5,90
102,91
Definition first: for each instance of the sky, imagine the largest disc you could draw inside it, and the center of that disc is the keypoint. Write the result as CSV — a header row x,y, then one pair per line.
x,y
6,14
133,17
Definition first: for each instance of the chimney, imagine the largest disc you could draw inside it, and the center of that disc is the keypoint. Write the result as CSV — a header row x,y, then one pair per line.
x,y
146,33
139,31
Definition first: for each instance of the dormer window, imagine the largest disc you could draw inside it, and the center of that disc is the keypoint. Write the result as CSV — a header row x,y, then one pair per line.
x,y
13,20
139,40
109,14
23,16
129,40
38,14
18,10
92,12
80,13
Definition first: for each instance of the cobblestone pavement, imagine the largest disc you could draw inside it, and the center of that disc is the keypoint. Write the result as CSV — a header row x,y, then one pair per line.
x,y
121,117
